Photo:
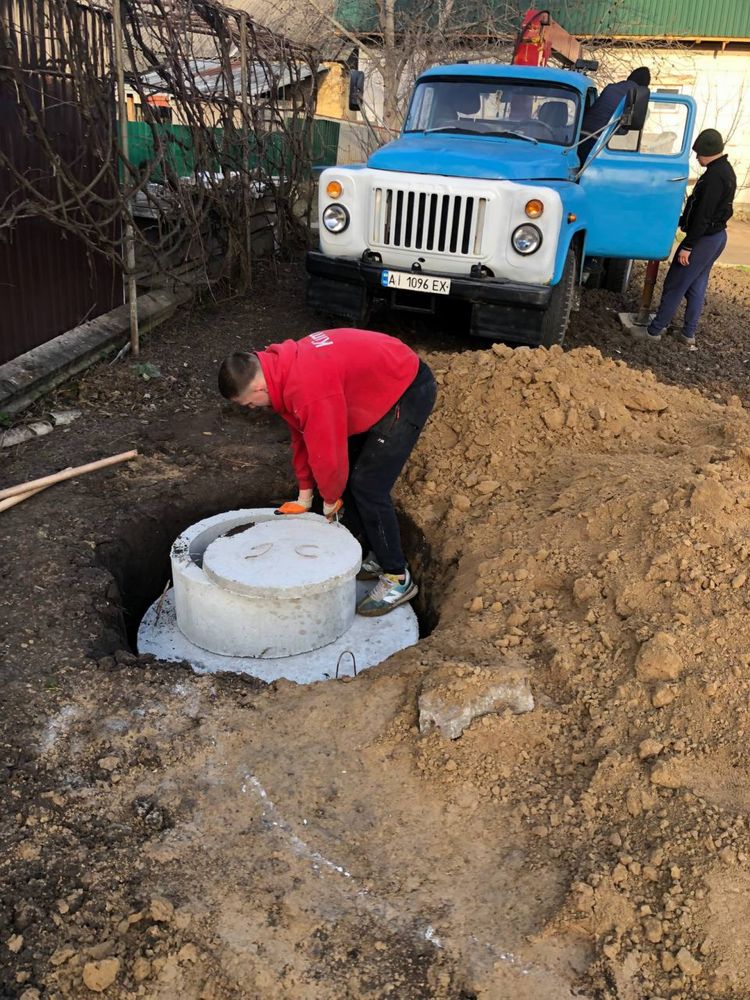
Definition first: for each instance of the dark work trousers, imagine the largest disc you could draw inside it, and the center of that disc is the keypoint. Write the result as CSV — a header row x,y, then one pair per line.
x,y
375,460
688,282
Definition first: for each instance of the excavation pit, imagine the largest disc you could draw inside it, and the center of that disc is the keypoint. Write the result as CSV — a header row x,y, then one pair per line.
x,y
270,596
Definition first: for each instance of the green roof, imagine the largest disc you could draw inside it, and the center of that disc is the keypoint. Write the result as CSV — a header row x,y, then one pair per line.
x,y
654,18
601,18
362,15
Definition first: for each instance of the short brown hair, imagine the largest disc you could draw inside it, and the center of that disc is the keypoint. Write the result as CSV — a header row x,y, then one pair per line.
x,y
236,373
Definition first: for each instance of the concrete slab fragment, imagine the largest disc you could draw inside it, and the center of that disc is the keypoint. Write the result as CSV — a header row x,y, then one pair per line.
x,y
16,435
63,418
457,693
629,322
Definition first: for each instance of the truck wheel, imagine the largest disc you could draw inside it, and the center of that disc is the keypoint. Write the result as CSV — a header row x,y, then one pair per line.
x,y
617,275
594,272
555,321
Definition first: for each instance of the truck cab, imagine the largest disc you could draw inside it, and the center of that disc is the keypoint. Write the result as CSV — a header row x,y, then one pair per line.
x,y
483,198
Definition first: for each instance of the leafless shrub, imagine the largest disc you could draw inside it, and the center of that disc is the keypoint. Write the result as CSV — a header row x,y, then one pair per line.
x,y
237,150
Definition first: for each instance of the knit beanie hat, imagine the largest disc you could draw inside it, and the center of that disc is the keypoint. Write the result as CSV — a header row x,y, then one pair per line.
x,y
709,143
641,76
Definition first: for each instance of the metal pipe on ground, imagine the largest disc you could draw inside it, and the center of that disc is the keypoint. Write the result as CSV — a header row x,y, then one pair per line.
x,y
647,295
634,323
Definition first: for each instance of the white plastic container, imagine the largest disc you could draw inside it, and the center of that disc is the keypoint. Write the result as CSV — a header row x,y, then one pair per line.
x,y
283,585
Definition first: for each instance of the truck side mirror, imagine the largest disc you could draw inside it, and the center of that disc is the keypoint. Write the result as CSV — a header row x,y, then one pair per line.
x,y
636,107
639,108
356,89
627,112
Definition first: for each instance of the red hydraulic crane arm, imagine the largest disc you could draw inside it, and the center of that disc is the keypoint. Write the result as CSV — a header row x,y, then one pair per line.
x,y
540,37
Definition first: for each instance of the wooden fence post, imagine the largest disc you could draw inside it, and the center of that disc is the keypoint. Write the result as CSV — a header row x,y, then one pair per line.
x,y
246,191
122,116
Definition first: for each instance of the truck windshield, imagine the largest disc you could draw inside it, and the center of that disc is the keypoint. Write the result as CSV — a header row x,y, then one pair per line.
x,y
530,109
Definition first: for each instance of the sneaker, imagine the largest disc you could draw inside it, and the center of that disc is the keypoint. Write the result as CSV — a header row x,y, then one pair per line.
x,y
688,343
370,569
388,593
641,332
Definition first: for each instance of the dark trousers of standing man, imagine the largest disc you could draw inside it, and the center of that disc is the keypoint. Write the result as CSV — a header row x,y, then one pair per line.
x,y
375,460
689,282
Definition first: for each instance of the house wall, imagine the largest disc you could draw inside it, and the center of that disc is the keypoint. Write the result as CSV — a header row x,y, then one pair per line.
x,y
374,95
333,92
718,81
357,141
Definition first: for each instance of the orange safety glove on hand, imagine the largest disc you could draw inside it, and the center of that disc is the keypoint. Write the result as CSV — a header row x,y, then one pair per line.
x,y
332,509
301,505
291,507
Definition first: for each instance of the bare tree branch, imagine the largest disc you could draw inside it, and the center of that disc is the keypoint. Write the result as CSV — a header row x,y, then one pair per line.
x,y
187,193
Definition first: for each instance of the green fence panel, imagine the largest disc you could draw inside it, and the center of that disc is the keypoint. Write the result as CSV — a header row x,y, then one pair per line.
x,y
166,149
325,142
170,149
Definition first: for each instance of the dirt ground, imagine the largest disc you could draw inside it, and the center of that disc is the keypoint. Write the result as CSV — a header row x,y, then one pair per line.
x,y
586,514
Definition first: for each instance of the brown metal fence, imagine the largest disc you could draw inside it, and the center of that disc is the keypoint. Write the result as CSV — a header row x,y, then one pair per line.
x,y
50,280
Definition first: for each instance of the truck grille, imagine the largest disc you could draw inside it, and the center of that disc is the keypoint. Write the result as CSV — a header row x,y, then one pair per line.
x,y
426,220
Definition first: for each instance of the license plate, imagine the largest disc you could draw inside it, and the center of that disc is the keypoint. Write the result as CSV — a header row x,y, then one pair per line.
x,y
415,282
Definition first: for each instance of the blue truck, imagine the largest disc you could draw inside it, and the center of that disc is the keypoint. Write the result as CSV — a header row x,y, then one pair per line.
x,y
483,198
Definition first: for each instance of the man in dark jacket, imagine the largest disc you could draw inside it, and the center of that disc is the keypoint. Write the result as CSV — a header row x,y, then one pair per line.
x,y
606,104
704,221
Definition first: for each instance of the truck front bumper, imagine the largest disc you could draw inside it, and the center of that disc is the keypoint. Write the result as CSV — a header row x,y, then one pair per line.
x,y
506,309
365,274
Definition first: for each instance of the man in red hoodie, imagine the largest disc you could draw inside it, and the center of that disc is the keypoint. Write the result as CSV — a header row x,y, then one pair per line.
x,y
356,402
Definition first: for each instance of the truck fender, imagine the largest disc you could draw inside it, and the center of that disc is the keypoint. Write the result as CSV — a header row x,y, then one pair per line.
x,y
576,241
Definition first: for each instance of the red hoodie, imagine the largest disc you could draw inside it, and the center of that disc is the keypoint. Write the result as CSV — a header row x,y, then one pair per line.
x,y
328,386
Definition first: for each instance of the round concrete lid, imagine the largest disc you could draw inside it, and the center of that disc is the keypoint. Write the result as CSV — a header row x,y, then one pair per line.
x,y
283,558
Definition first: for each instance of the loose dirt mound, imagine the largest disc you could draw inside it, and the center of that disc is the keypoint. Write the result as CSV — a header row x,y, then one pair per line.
x,y
174,836
598,524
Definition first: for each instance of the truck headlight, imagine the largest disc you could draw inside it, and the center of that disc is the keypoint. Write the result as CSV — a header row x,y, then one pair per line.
x,y
335,218
526,239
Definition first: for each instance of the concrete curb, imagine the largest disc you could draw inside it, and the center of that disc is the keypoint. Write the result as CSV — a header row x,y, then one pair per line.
x,y
26,378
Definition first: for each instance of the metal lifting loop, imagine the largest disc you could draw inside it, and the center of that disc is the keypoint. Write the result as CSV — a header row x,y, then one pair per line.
x,y
354,662
308,555
259,550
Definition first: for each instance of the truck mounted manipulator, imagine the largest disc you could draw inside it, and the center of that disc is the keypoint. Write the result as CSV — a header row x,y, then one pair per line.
x,y
483,198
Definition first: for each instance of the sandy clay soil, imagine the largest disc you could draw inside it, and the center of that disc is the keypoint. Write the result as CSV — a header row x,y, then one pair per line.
x,y
580,516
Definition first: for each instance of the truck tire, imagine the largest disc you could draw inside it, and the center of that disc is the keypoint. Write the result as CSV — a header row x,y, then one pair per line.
x,y
555,322
617,275
594,276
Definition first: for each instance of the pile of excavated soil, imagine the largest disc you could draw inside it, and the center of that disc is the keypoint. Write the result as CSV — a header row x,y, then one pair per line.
x,y
721,364
598,525
585,521
212,838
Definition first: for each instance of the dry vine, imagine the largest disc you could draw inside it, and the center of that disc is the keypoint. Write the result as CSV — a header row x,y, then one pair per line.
x,y
239,149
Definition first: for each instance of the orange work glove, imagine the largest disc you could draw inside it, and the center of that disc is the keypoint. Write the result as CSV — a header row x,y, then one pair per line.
x,y
299,506
291,507
332,509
